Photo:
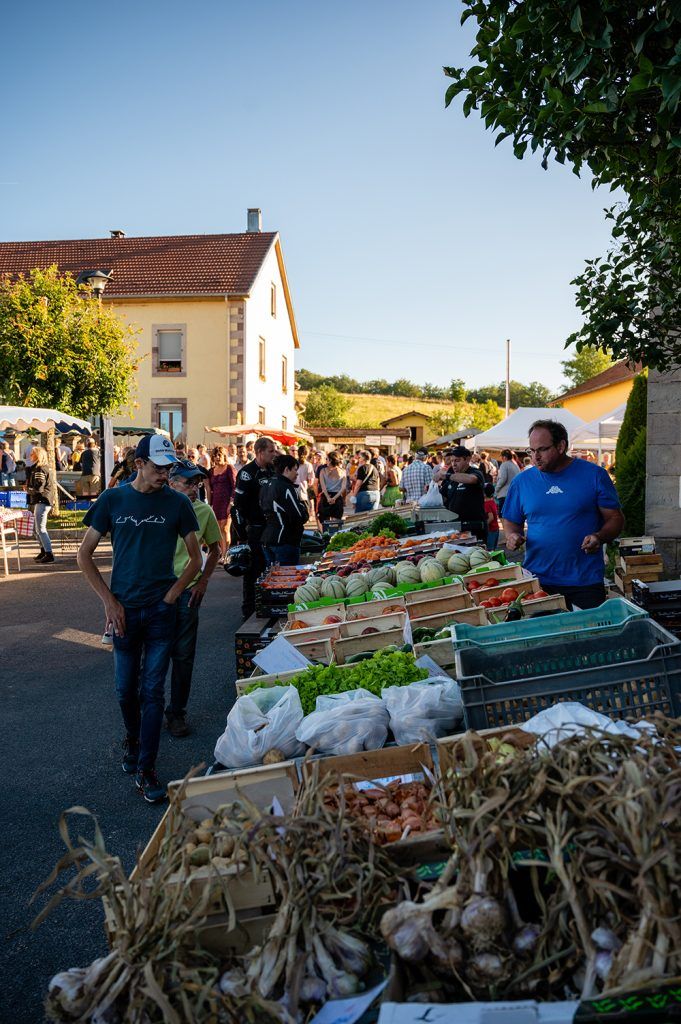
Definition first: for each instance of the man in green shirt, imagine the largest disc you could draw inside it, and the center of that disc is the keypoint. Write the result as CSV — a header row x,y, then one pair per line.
x,y
185,477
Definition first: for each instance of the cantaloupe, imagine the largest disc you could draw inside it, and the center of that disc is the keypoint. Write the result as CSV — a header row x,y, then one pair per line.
x,y
408,573
478,557
333,586
443,556
431,570
305,594
355,585
458,564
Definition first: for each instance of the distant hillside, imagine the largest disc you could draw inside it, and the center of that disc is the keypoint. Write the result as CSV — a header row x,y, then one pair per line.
x,y
370,410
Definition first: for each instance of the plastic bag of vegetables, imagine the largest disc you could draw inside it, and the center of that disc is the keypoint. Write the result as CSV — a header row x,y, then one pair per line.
x,y
345,723
261,721
425,710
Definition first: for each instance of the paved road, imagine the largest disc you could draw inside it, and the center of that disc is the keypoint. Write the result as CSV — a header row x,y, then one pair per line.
x,y
61,735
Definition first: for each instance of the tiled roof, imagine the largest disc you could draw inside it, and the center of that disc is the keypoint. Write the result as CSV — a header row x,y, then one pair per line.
x,y
166,265
615,374
403,415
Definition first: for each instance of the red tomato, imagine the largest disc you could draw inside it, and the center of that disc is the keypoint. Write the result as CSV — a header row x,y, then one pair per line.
x,y
540,593
473,585
495,602
492,582
486,604
509,594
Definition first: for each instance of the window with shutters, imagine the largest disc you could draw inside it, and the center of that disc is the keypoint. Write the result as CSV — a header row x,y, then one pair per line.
x,y
284,423
261,414
169,350
273,299
262,364
284,374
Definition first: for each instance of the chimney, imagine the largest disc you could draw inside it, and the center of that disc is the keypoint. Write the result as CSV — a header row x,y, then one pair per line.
x,y
117,233
254,219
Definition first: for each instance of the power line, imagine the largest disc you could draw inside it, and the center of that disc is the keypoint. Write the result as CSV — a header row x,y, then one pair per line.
x,y
422,344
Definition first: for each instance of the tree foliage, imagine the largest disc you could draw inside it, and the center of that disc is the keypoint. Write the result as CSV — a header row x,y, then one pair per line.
x,y
597,85
327,407
584,365
631,484
634,417
460,415
533,395
59,349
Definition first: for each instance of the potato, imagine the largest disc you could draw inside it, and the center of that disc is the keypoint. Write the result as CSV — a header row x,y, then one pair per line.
x,y
274,756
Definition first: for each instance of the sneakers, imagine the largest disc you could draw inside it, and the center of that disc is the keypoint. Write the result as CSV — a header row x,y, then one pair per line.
x,y
107,639
149,786
177,725
47,557
131,751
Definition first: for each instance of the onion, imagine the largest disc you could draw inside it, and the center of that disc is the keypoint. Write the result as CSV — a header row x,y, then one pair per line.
x,y
407,930
485,969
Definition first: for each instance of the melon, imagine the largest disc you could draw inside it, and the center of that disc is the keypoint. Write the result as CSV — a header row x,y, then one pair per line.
x,y
381,574
457,564
478,557
408,573
431,571
333,586
489,566
380,590
356,585
391,574
305,595
443,556
315,581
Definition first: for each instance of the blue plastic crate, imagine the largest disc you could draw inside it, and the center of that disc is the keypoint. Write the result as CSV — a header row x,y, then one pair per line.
x,y
607,618
81,505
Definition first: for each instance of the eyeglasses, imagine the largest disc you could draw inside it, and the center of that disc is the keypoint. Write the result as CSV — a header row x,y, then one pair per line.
x,y
159,469
541,450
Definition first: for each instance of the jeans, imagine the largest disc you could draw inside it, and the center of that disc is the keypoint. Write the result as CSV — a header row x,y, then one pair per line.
x,y
284,554
40,516
492,539
256,568
367,500
149,631
183,653
7,479
591,596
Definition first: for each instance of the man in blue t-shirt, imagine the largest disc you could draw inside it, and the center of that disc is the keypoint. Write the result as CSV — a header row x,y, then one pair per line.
x,y
571,509
144,519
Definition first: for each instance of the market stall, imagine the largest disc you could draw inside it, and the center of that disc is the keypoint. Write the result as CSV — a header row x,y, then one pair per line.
x,y
513,431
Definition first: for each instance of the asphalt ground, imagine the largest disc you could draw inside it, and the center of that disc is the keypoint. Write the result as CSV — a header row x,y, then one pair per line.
x,y
61,743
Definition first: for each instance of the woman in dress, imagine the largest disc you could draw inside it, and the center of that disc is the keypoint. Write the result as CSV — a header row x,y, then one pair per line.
x,y
333,486
392,485
220,491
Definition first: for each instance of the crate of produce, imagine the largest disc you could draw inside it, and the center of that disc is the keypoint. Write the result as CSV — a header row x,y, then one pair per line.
x,y
437,606
607,618
526,585
380,623
442,653
369,609
634,678
369,644
433,593
327,615
505,574
472,616
318,651
534,604
330,631
252,636
624,581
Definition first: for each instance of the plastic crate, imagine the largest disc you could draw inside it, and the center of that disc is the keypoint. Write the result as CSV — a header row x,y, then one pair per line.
x,y
578,625
629,680
14,499
80,505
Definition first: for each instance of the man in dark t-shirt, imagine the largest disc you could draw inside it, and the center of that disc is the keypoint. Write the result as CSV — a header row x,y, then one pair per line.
x,y
466,488
144,519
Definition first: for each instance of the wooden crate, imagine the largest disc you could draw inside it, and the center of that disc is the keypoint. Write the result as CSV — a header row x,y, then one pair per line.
x,y
329,632
511,572
433,594
368,609
552,603
316,650
442,653
527,585
316,616
344,649
640,563
624,582
355,627
271,679
438,606
473,616
444,746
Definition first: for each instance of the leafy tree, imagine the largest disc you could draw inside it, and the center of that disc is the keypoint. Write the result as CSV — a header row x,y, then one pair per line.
x,y
537,395
631,484
457,390
485,415
585,364
326,407
405,388
597,85
532,395
309,380
59,349
634,417
433,391
378,387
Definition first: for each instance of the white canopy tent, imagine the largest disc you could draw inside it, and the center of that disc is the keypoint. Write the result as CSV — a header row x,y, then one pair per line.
x,y
601,433
513,431
19,417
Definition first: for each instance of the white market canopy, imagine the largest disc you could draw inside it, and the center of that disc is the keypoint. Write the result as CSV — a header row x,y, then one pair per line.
x,y
513,431
602,432
19,417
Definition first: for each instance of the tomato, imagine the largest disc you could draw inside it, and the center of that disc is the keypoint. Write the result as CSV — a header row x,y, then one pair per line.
x,y
495,602
492,582
473,585
486,604
540,593
509,594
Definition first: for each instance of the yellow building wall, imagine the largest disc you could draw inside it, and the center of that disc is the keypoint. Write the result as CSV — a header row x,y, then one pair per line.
x,y
205,386
418,425
595,404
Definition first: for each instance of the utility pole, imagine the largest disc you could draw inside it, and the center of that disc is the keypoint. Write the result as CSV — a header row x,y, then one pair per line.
x,y
508,376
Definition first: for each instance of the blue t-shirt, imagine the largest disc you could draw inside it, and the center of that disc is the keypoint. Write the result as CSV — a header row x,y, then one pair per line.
x,y
144,529
560,510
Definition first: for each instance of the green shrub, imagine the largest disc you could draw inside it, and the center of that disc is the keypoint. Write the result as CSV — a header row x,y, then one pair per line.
x,y
631,485
634,416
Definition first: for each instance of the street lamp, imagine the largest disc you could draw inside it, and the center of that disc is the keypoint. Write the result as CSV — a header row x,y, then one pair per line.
x,y
95,280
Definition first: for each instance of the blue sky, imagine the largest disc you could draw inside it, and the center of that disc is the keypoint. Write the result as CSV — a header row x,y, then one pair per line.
x,y
413,247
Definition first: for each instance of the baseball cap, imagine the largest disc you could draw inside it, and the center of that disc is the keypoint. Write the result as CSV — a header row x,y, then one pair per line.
x,y
187,469
156,449
421,453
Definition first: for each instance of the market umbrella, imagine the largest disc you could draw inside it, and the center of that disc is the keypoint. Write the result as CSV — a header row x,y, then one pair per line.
x,y
19,417
277,434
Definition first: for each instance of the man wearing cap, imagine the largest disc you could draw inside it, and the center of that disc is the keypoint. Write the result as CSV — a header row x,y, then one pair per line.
x,y
144,519
466,492
185,477
248,518
90,468
417,477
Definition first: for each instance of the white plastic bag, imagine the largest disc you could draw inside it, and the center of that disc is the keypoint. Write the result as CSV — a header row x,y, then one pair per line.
x,y
570,718
345,723
425,710
260,721
432,498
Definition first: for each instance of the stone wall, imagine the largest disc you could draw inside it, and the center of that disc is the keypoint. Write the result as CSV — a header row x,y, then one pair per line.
x,y
663,469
